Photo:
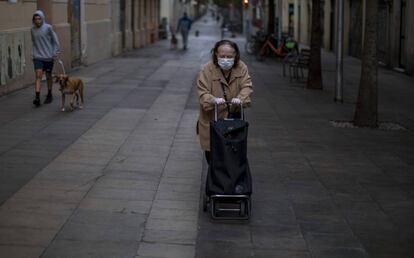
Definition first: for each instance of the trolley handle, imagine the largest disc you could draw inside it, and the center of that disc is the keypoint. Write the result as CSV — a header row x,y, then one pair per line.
x,y
228,103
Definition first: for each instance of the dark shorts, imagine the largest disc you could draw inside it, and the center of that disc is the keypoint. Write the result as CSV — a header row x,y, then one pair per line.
x,y
46,66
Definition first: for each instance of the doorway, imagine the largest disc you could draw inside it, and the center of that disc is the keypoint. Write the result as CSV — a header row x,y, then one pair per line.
x,y
133,20
122,22
382,34
332,26
75,31
403,28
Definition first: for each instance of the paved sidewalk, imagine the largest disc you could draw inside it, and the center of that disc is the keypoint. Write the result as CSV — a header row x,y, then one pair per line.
x,y
123,177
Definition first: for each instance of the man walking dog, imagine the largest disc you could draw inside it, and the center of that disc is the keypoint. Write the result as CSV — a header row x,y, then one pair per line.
x,y
45,51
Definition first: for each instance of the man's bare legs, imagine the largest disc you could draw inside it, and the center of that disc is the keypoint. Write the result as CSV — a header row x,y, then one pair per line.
x,y
38,85
39,74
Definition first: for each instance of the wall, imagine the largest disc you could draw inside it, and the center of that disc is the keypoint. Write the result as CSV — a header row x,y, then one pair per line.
x,y
395,25
303,21
285,18
410,38
328,26
16,67
57,16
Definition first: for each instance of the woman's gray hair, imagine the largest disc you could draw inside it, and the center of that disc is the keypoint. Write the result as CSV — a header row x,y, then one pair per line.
x,y
225,42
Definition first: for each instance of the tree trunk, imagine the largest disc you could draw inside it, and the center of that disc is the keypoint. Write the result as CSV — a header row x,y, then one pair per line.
x,y
315,68
271,22
366,111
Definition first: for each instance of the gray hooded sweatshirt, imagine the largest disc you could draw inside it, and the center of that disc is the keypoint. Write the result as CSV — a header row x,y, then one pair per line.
x,y
45,41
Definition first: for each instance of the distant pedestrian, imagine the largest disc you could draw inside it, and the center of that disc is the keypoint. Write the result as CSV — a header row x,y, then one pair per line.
x,y
184,27
45,50
225,79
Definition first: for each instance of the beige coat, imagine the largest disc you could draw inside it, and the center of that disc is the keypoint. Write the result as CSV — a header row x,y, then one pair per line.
x,y
209,86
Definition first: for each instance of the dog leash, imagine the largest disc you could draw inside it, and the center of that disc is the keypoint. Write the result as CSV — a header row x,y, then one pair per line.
x,y
61,65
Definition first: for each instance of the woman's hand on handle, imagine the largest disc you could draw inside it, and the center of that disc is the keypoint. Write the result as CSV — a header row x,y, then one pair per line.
x,y
219,101
236,101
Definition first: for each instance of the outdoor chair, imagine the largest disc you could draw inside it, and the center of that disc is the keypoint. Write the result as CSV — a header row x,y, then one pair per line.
x,y
299,64
288,59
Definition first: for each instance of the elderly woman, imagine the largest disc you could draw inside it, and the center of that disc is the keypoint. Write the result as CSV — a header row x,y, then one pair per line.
x,y
224,79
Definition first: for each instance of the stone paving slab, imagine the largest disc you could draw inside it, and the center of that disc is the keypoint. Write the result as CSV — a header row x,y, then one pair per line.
x,y
21,251
74,249
28,219
116,205
21,236
161,250
179,237
178,204
44,192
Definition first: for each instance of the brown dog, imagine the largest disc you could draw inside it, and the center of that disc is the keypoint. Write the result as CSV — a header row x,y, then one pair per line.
x,y
72,86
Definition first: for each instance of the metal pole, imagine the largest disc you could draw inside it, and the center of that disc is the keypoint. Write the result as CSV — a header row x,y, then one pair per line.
x,y
339,52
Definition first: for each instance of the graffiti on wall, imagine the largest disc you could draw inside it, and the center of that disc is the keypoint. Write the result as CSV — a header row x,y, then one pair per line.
x,y
12,56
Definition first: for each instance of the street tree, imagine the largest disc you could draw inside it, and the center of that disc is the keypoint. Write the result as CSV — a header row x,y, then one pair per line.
x,y
315,67
271,22
366,111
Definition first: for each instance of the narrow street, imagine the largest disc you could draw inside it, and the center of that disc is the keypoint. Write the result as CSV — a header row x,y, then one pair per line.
x,y
124,176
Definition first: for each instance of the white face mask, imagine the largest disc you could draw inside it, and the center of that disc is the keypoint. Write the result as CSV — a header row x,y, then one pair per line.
x,y
225,63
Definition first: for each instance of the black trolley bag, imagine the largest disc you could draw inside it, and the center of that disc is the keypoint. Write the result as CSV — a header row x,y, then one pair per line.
x,y
229,183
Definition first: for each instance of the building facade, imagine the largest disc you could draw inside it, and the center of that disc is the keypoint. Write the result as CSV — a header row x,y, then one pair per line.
x,y
395,38
88,31
293,18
